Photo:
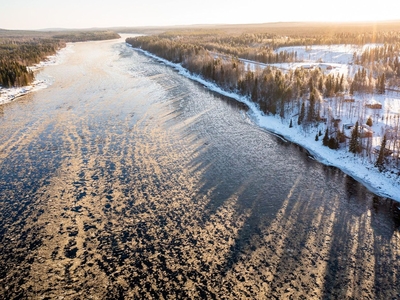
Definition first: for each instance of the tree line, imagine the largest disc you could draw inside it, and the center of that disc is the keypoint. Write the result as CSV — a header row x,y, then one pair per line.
x,y
19,52
14,74
83,36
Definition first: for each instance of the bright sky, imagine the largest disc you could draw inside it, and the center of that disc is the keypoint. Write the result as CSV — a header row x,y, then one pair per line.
x,y
39,14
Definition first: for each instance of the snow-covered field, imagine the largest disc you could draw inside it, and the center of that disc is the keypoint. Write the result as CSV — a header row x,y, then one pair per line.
x,y
363,170
340,54
333,59
9,94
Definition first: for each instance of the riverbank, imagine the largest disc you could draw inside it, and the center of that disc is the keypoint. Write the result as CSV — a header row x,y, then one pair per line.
x,y
10,94
384,184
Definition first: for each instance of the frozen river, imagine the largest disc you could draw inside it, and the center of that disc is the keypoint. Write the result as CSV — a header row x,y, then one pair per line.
x,y
126,180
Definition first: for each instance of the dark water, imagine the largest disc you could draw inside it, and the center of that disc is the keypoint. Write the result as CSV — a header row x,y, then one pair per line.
x,y
125,180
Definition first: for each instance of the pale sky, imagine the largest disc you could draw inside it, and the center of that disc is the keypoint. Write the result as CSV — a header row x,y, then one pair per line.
x,y
39,14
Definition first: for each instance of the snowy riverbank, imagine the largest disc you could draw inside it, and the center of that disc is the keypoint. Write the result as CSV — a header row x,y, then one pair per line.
x,y
383,184
10,94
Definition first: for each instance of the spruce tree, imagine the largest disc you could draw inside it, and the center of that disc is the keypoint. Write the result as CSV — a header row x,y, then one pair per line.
x,y
381,84
369,122
333,143
325,140
254,93
311,108
352,88
381,156
321,85
353,145
341,85
302,113
340,137
311,85
383,79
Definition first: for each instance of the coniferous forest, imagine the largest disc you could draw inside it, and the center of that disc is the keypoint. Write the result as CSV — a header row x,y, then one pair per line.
x,y
18,50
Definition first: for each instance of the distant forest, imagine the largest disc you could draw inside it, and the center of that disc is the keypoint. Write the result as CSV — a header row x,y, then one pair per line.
x,y
20,49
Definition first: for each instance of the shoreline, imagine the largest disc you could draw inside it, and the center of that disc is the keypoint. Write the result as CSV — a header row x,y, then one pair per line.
x,y
383,184
8,95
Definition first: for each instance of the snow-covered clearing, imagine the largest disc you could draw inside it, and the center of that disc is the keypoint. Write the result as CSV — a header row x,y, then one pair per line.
x,y
339,54
333,59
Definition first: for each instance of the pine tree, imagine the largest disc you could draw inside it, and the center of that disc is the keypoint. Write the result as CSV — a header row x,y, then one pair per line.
x,y
291,124
381,156
316,137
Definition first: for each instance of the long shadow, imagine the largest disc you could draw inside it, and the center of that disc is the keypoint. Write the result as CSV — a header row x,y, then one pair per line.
x,y
261,182
28,166
361,256
386,222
